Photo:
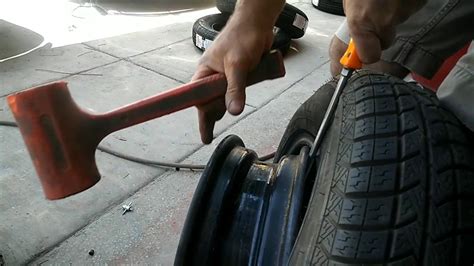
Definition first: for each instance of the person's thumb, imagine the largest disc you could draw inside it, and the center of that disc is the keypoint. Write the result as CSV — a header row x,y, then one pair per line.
x,y
368,46
235,96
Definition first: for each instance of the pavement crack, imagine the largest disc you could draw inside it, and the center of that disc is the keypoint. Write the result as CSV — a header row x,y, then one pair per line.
x,y
129,59
66,75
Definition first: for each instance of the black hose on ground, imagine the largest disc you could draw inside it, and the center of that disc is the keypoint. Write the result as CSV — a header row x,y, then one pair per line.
x,y
176,166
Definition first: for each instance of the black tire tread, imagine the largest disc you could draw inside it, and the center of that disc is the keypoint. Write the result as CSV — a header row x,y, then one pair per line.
x,y
286,19
202,27
401,188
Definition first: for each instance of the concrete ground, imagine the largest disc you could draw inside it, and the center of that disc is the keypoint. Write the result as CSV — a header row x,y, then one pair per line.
x,y
105,74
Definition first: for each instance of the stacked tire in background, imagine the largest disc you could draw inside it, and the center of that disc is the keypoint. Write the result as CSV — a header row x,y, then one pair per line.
x,y
329,6
291,24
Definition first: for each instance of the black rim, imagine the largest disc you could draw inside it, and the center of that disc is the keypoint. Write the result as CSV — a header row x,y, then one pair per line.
x,y
285,210
207,203
293,146
245,211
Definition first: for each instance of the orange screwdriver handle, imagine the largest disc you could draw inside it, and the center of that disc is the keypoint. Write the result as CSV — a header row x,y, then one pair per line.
x,y
350,59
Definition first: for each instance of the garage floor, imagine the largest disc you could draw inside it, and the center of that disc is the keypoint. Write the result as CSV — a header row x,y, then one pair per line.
x,y
105,74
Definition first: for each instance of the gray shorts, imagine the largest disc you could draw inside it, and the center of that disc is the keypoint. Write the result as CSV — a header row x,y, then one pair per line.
x,y
428,37
456,93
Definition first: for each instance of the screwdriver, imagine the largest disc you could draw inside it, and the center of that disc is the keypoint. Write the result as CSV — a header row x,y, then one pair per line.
x,y
350,61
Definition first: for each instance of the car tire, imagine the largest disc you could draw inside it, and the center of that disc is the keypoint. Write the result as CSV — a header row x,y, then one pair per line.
x,y
395,181
281,41
206,29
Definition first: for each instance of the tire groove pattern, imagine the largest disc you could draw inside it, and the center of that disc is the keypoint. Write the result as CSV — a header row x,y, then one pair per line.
x,y
402,185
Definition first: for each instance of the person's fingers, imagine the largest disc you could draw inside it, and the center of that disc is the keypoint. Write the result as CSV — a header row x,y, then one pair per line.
x,y
207,116
201,72
367,43
206,127
236,81
370,29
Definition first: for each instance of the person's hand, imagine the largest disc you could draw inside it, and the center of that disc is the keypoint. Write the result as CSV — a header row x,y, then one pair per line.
x,y
236,51
372,23
337,49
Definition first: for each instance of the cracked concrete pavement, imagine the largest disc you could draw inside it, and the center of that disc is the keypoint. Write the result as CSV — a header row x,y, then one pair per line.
x,y
105,74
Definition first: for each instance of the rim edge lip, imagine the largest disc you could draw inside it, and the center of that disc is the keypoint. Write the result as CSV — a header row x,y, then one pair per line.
x,y
302,139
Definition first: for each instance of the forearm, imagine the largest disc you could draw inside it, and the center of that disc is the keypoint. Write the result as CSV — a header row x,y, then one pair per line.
x,y
262,13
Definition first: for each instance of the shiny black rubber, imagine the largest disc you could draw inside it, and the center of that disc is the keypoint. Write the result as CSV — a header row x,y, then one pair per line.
x,y
395,183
